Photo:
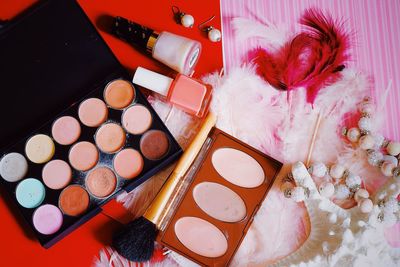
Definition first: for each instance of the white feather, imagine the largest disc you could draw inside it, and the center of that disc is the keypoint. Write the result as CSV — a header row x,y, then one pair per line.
x,y
247,108
272,35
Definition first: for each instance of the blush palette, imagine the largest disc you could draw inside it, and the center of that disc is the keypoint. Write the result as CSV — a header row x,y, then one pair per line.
x,y
220,196
78,147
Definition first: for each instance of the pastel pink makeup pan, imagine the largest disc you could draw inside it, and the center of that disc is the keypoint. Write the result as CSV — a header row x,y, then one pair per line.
x,y
93,112
47,219
128,163
66,130
57,174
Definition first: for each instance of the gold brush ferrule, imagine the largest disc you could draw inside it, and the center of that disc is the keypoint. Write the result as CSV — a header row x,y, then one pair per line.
x,y
151,42
164,200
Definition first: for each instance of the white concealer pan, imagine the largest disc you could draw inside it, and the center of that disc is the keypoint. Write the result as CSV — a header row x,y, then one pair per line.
x,y
238,168
219,202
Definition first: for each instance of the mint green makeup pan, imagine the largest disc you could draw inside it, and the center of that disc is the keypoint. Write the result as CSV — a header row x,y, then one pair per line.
x,y
30,193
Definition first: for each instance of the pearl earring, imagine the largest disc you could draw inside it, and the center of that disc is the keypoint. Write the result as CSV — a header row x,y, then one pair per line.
x,y
213,34
186,20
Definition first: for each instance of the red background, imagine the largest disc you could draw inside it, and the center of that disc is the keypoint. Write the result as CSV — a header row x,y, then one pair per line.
x,y
18,246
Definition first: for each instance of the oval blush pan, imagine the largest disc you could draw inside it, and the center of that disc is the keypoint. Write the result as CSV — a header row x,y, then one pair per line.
x,y
74,200
201,237
219,202
238,167
101,182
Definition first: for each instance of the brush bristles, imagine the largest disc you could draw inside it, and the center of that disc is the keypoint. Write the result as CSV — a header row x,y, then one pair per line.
x,y
135,241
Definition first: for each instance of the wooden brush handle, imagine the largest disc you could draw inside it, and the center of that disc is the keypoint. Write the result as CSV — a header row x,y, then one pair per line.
x,y
162,201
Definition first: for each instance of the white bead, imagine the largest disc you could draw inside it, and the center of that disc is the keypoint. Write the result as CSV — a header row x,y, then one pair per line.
x,y
378,140
337,171
393,148
361,194
374,157
298,194
387,168
342,192
367,142
353,180
366,205
392,159
214,35
353,134
367,108
389,219
332,218
327,189
365,124
391,205
187,21
318,169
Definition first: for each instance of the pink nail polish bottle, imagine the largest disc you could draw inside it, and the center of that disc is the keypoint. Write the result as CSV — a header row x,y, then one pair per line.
x,y
192,96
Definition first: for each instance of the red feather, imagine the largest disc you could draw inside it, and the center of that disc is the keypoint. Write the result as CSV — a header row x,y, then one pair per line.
x,y
312,59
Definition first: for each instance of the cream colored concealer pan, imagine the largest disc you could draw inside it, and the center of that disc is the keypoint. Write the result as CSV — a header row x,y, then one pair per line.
x,y
217,208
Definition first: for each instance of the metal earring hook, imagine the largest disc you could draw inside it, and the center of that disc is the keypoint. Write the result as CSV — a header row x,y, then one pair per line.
x,y
208,28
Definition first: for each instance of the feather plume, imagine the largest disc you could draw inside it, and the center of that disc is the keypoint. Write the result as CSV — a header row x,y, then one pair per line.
x,y
273,36
312,59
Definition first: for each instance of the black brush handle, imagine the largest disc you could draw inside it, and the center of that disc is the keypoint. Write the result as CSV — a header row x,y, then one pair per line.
x,y
131,32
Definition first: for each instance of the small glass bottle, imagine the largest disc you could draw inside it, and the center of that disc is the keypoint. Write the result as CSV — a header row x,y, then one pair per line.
x,y
177,52
192,96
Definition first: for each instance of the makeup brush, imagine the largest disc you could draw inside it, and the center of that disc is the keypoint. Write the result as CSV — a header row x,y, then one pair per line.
x,y
135,241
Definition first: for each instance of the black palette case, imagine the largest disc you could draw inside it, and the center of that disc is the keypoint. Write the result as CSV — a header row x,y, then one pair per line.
x,y
51,59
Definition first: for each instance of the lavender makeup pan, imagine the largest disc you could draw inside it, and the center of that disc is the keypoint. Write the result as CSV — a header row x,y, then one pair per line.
x,y
78,141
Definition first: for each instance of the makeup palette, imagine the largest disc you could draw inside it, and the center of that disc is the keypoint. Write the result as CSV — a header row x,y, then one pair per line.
x,y
222,192
79,131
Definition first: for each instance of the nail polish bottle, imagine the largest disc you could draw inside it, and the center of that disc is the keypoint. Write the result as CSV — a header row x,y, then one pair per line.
x,y
192,96
177,52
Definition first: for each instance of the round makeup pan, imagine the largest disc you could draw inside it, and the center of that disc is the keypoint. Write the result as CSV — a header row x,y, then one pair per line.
x,y
47,219
93,112
119,94
128,163
154,144
39,148
30,193
83,156
13,167
110,138
56,174
238,168
66,130
101,182
74,200
137,119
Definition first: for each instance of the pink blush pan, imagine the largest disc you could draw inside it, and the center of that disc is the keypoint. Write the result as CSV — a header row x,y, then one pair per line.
x,y
47,219
66,130
57,174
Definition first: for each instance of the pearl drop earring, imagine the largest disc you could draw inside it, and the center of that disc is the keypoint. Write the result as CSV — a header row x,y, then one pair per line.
x,y
186,20
214,35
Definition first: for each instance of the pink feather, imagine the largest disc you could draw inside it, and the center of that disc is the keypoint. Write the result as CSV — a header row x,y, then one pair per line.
x,y
312,59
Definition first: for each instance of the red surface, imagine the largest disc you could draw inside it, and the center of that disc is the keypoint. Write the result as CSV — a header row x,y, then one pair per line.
x,y
18,247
